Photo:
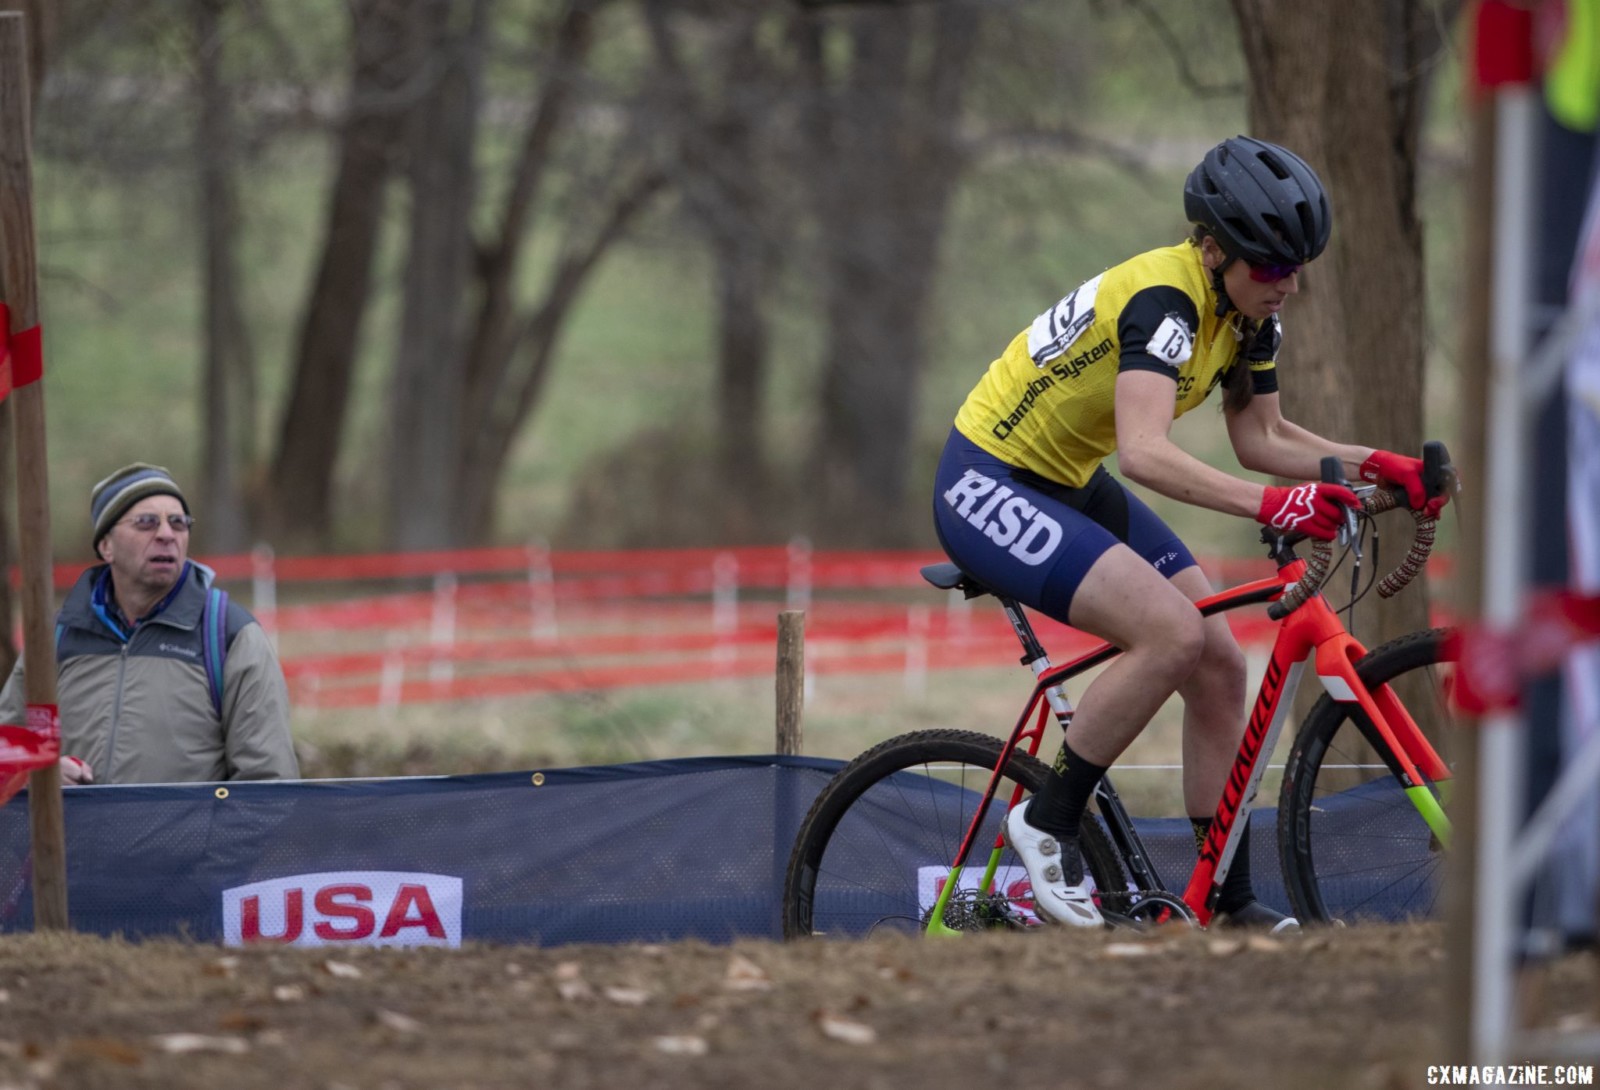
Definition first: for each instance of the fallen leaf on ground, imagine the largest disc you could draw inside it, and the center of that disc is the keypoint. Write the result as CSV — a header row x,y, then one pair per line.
x,y
843,1029
109,1048
574,990
400,1023
342,969
288,993
1263,945
627,997
682,1045
1223,948
182,1043
1128,950
745,975
240,1021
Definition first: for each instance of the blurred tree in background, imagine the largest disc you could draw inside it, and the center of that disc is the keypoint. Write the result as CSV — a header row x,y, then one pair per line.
x,y
1354,105
384,58
856,184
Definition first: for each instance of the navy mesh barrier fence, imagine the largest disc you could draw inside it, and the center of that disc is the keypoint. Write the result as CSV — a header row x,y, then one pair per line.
x,y
666,850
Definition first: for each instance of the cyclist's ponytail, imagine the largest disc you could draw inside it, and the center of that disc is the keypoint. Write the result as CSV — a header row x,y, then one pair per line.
x,y
1238,385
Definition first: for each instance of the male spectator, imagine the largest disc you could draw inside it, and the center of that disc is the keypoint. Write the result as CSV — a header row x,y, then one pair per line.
x,y
143,699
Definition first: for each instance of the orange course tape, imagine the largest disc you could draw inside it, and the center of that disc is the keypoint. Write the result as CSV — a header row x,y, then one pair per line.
x,y
21,355
25,748
1495,664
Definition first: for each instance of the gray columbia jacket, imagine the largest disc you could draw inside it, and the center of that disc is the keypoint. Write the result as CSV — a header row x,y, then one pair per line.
x,y
139,710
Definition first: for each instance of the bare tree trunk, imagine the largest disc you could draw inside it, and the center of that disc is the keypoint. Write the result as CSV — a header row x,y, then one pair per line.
x,y
299,500
888,133
228,366
426,432
744,275
1351,104
528,355
718,170
511,348
489,356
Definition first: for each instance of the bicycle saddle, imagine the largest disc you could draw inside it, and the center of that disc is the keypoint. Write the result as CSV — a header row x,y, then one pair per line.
x,y
950,577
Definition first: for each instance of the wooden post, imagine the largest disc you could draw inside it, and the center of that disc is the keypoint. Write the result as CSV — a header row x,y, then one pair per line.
x,y
19,291
791,680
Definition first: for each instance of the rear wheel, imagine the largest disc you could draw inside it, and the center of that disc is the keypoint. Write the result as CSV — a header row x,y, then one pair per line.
x,y
1352,843
876,847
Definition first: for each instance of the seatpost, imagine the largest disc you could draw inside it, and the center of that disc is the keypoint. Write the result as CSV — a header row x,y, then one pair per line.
x,y
1035,659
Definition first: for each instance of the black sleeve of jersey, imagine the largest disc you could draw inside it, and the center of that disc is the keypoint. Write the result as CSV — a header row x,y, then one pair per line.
x,y
1151,328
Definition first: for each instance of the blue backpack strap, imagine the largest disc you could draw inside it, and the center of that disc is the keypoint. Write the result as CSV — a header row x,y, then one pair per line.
x,y
214,642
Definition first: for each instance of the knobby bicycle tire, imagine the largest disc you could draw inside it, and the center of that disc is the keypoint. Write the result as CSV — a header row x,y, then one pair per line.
x,y
874,848
1352,845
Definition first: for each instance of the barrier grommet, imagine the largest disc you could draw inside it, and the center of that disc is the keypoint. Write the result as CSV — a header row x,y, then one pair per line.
x,y
222,792
538,779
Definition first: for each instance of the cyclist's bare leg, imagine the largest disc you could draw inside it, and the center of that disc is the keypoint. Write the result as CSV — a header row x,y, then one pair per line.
x,y
1213,705
1213,722
1126,601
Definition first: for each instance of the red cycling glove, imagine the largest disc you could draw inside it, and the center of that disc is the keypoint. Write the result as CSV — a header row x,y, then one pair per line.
x,y
1386,467
1316,510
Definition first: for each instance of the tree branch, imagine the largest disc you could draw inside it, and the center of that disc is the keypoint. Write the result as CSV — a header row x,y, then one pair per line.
x,y
1180,59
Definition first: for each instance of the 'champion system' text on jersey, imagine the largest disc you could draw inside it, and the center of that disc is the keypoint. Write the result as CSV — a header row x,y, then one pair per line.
x,y
1047,404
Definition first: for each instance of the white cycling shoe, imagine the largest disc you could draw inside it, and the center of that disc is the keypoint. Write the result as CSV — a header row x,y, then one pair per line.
x,y
1062,892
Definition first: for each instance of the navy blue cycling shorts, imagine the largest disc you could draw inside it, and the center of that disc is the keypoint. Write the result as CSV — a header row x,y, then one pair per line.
x,y
1035,539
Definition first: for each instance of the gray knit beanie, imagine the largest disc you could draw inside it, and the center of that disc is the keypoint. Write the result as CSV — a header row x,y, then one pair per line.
x,y
113,496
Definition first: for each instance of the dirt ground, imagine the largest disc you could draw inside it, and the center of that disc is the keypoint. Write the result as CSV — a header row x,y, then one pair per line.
x,y
1177,1009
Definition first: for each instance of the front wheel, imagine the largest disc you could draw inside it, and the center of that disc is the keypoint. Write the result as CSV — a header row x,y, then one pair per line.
x,y
876,848
1352,843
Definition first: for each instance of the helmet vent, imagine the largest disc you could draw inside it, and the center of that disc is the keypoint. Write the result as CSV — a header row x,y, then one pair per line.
x,y
1276,165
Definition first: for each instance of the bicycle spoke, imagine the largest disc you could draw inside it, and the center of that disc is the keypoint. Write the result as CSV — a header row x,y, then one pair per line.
x,y
912,820
880,839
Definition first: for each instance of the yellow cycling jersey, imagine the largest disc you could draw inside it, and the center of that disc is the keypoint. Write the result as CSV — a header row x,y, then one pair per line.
x,y
1046,404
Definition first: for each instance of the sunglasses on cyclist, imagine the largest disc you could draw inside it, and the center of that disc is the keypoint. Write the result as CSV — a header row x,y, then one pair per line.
x,y
1270,274
180,524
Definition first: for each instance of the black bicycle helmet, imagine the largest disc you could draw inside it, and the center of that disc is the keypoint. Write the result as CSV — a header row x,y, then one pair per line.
x,y
1262,202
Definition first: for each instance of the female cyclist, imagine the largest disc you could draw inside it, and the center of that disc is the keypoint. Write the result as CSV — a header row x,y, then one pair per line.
x,y
1023,502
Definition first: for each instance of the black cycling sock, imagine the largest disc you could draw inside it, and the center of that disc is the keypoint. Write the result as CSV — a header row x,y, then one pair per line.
x,y
1237,889
1058,807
